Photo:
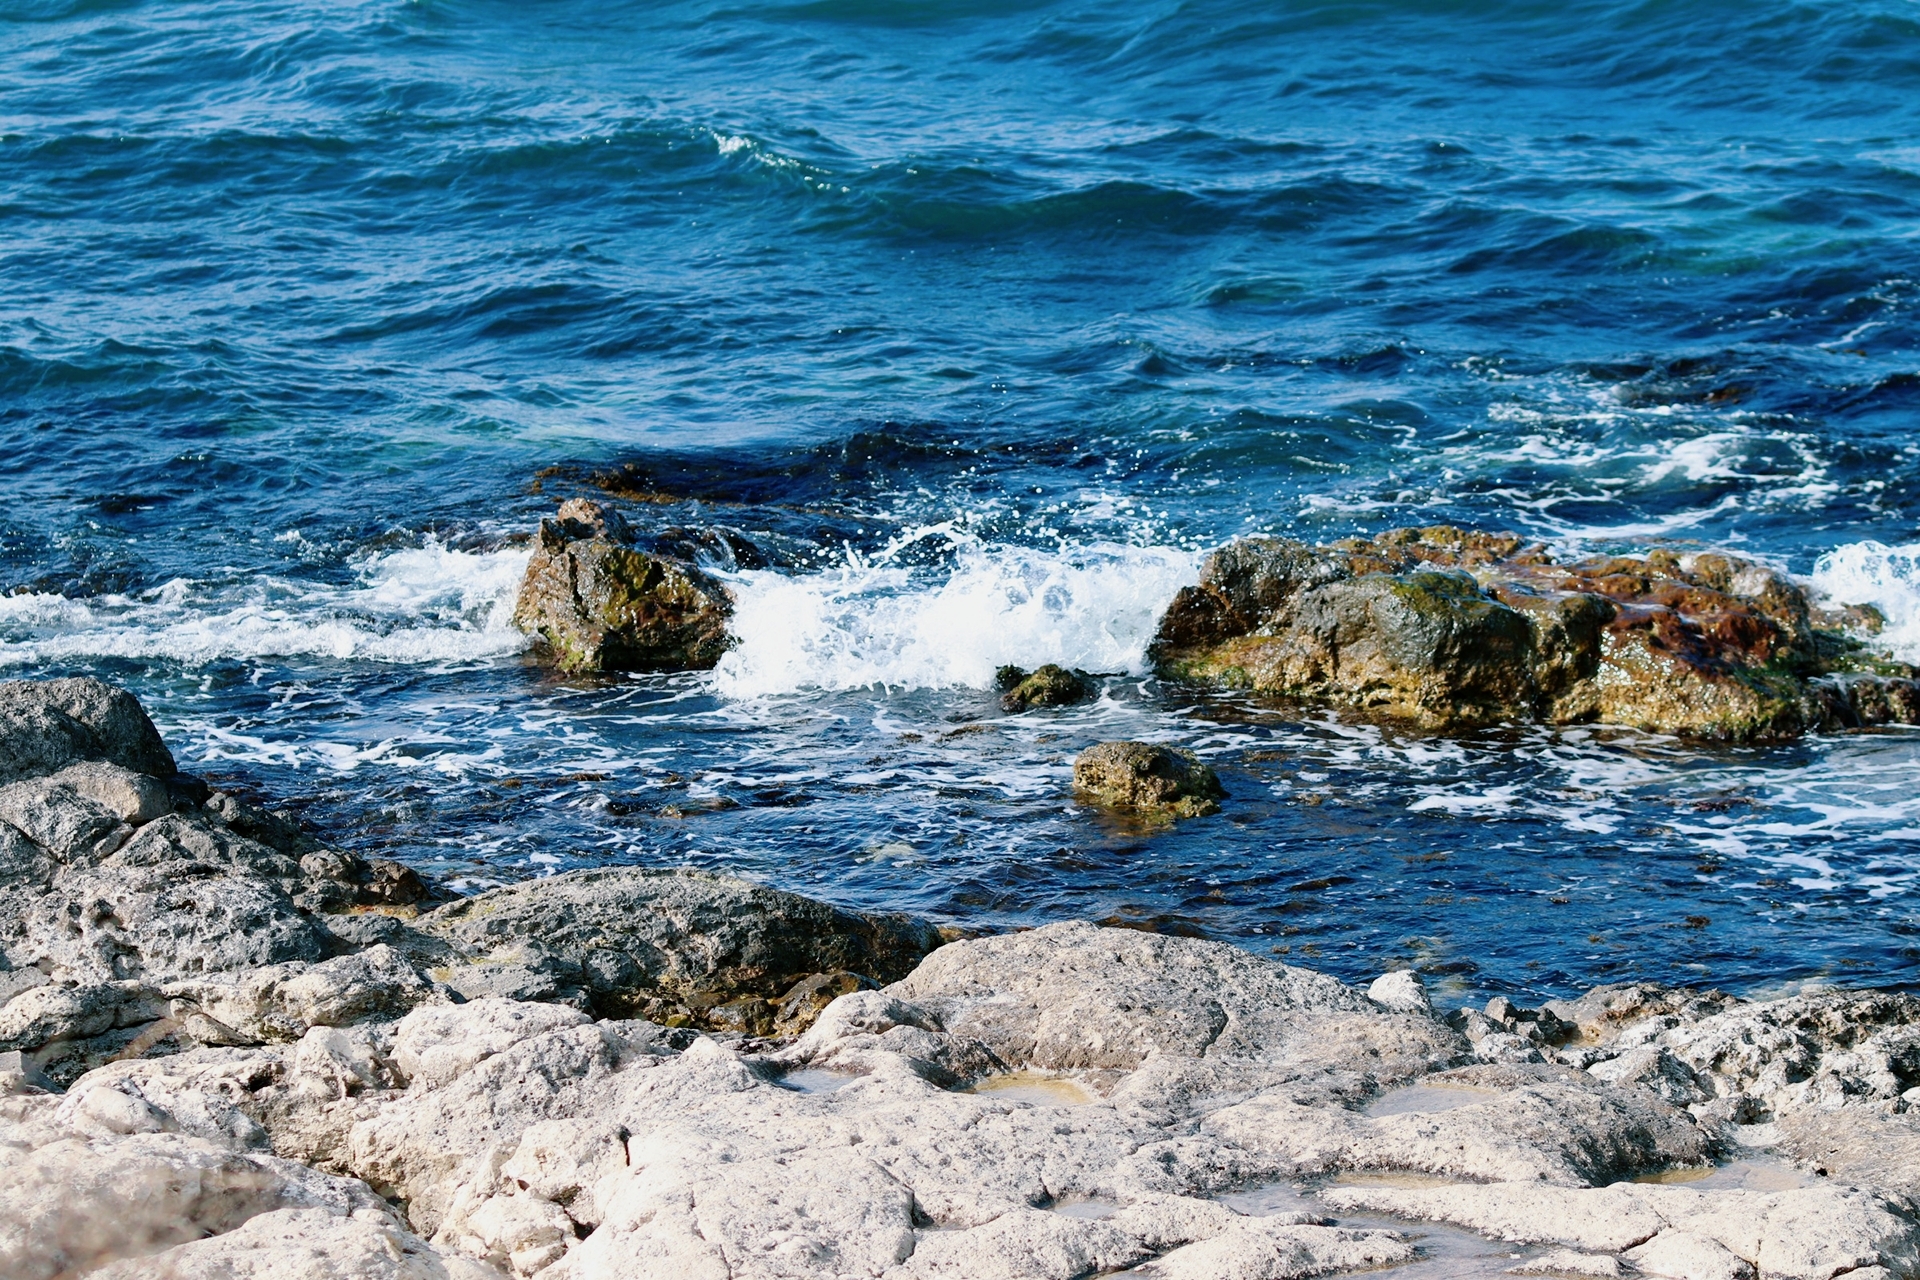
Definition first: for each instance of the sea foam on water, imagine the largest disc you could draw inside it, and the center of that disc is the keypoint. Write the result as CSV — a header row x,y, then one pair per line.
x,y
880,623
422,604
1888,578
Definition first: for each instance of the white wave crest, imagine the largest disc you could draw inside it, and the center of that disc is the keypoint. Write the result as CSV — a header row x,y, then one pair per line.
x,y
427,604
1888,578
877,623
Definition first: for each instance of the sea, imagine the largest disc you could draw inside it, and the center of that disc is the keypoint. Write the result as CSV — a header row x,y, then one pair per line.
x,y
953,334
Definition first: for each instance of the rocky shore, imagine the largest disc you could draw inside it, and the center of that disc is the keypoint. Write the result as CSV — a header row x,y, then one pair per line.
x,y
228,1051
1445,627
1450,628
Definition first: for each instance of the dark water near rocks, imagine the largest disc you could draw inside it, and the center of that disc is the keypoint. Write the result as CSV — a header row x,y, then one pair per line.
x,y
981,320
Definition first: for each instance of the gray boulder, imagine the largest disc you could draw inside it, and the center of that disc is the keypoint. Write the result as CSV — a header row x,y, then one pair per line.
x,y
72,827
670,945
164,922
46,725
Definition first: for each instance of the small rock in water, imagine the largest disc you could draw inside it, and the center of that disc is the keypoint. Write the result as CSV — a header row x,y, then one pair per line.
x,y
1139,775
598,603
1050,686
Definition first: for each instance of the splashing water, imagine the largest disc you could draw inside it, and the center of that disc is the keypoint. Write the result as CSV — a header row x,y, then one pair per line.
x,y
874,623
1888,578
427,604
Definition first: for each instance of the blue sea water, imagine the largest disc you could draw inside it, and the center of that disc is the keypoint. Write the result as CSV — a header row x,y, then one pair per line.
x,y
975,323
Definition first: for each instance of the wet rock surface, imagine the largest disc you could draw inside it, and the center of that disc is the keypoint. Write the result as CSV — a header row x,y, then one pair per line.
x,y
189,1089
1454,628
597,602
1048,686
1149,779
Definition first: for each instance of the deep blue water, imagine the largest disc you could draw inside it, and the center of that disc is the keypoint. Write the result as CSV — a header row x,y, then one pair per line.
x,y
978,321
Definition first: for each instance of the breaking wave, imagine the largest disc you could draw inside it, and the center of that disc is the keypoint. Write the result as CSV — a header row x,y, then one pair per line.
x,y
1888,578
425,604
877,622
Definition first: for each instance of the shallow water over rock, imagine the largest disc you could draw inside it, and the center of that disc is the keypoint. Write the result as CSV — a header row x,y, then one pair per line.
x,y
816,1080
1445,1253
1034,1088
1761,1173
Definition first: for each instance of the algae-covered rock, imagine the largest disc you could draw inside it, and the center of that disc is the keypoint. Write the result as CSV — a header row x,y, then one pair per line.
x,y
1452,628
598,603
1048,686
1148,778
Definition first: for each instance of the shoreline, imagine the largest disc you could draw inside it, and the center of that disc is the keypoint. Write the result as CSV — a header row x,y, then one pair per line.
x,y
232,1051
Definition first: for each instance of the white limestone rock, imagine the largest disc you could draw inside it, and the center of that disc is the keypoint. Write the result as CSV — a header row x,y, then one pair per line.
x,y
1687,1255
282,1002
1400,991
433,1045
1572,1263
1077,996
1809,1234
1264,1251
304,1244
1539,1124
75,1203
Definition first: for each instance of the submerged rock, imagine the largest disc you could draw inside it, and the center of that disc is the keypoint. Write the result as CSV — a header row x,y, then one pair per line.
x,y
1148,778
1048,686
1453,628
598,603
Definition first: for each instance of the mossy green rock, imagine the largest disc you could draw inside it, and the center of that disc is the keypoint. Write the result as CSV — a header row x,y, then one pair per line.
x,y
1049,686
595,602
1453,629
1154,780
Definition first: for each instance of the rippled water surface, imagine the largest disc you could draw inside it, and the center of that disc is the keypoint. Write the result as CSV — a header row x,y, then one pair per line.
x,y
976,323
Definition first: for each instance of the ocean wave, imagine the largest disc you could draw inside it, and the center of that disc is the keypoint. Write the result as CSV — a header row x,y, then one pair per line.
x,y
877,622
429,604
1888,578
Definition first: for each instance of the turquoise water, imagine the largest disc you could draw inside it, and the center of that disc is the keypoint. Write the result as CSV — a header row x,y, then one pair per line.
x,y
974,323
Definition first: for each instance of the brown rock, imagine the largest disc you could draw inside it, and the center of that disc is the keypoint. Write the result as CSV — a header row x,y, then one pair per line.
x,y
803,1002
1049,686
1454,628
597,603
1139,775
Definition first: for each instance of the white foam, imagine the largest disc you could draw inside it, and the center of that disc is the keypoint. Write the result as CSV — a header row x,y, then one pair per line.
x,y
426,604
1888,578
880,623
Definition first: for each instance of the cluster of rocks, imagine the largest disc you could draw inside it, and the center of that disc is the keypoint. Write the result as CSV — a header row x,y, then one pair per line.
x,y
232,1052
1452,628
1442,626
